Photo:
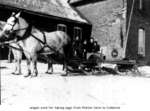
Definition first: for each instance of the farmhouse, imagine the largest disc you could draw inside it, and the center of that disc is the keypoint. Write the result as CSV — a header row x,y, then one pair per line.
x,y
108,19
48,15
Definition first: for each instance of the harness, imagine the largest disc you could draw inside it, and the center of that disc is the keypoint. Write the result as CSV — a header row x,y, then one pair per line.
x,y
44,43
26,35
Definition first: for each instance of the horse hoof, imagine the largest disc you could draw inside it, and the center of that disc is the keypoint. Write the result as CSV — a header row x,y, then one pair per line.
x,y
27,75
65,74
33,76
48,72
16,73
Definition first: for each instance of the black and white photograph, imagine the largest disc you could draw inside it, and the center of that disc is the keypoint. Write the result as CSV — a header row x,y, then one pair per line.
x,y
74,55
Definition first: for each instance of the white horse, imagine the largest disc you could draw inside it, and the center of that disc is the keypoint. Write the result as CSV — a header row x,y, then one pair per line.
x,y
16,53
32,40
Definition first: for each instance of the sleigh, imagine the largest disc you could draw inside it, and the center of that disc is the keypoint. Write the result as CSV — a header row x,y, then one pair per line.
x,y
98,65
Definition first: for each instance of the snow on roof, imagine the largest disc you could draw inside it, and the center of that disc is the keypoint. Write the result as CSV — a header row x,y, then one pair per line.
x,y
59,8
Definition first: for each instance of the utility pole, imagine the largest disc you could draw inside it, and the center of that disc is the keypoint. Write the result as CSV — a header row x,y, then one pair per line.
x,y
128,25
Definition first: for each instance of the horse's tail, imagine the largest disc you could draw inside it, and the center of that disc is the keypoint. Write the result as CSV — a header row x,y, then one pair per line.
x,y
67,44
67,39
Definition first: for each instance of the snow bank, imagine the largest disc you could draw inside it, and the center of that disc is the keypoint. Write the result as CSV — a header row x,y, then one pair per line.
x,y
144,70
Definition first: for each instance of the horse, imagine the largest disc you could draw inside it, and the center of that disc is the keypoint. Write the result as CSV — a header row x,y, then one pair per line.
x,y
16,53
32,40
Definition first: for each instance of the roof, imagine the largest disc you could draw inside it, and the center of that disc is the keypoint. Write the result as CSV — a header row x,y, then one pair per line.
x,y
77,3
73,1
58,8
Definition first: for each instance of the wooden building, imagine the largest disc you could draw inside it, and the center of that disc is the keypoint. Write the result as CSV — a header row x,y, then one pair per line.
x,y
48,15
108,19
138,25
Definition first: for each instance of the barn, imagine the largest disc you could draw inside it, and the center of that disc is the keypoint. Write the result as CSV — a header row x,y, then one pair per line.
x,y
138,19
48,15
108,19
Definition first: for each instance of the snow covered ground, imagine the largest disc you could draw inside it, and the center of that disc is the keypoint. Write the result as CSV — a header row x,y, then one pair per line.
x,y
83,93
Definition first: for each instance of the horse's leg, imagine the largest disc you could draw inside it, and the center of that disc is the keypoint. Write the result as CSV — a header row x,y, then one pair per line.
x,y
65,68
15,69
28,67
9,55
65,65
18,66
15,60
18,58
35,72
63,56
49,68
34,63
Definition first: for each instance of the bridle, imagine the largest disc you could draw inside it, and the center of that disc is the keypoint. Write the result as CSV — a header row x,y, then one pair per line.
x,y
16,21
12,31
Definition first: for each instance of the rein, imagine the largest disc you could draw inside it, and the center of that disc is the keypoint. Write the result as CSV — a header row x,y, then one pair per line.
x,y
13,41
20,29
8,42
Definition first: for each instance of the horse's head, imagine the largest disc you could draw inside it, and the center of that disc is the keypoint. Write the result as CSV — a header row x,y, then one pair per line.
x,y
14,26
11,26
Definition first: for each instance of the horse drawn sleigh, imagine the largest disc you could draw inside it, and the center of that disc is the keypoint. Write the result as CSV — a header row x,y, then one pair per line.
x,y
27,39
23,38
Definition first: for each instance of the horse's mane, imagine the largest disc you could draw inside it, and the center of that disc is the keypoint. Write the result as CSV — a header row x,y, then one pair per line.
x,y
26,26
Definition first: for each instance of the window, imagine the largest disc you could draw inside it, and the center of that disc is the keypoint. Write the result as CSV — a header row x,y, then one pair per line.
x,y
62,27
141,4
78,32
141,42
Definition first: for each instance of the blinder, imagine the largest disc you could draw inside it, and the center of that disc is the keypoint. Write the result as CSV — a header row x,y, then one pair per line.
x,y
15,22
11,34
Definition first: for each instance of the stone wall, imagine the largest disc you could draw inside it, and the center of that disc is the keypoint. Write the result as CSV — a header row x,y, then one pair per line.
x,y
109,20
140,19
